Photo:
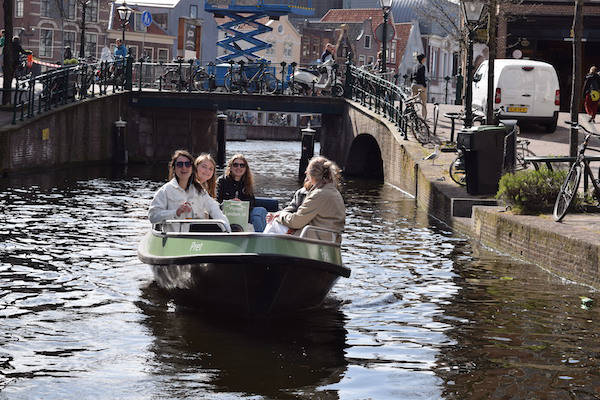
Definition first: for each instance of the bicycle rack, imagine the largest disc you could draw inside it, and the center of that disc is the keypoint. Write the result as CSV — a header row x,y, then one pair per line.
x,y
243,14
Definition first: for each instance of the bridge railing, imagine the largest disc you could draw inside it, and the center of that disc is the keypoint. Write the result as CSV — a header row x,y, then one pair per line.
x,y
34,95
379,93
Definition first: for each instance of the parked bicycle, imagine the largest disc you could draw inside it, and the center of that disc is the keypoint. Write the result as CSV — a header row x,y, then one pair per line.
x,y
570,187
261,81
413,120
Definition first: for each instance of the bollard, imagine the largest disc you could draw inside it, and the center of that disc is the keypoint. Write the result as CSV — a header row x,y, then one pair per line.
x,y
221,139
308,146
120,155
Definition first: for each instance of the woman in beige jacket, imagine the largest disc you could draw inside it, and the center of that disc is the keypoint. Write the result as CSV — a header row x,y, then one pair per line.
x,y
323,206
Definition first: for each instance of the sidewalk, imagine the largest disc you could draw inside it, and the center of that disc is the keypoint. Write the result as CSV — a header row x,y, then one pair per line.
x,y
570,249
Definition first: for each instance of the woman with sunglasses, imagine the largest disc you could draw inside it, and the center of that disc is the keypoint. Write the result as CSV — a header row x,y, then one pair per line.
x,y
183,196
238,184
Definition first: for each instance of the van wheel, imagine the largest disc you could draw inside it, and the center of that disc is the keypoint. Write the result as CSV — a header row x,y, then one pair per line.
x,y
551,127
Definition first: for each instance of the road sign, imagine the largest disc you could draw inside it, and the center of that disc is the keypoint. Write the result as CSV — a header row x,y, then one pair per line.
x,y
389,32
146,18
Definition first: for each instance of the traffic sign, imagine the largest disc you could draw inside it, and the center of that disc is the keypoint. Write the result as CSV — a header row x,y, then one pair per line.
x,y
390,33
146,18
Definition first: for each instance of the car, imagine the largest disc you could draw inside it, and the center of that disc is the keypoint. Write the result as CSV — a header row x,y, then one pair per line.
x,y
525,90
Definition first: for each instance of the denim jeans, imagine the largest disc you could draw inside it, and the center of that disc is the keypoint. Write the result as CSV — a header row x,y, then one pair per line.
x,y
258,218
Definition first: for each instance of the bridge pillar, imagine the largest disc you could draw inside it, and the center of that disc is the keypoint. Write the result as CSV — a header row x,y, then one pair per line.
x,y
221,139
335,143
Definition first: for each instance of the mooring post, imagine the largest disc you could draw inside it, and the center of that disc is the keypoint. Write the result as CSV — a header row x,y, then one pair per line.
x,y
221,120
120,156
308,147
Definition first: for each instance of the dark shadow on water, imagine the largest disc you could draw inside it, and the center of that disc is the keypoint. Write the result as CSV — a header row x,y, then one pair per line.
x,y
283,358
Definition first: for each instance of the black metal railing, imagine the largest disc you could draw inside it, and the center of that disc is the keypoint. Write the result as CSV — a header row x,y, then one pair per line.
x,y
34,95
380,94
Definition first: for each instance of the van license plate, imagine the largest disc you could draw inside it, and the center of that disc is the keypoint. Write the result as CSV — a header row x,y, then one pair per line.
x,y
517,109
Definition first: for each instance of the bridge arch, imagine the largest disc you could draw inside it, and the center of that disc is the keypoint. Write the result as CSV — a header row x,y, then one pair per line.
x,y
364,158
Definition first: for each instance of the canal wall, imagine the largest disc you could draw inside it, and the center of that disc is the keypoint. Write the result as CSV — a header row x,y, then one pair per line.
x,y
569,250
81,132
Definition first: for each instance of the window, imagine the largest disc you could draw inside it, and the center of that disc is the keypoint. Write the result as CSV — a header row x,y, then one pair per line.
x,y
161,20
370,60
193,11
393,51
305,48
138,26
280,28
163,55
91,11
19,8
71,12
91,44
315,45
69,39
149,52
270,50
361,60
133,51
367,41
287,49
45,8
46,42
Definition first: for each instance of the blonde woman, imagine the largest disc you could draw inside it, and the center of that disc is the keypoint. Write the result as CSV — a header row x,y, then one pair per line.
x,y
323,206
206,168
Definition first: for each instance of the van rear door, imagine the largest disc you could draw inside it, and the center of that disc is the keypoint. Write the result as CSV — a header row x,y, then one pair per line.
x,y
546,86
517,86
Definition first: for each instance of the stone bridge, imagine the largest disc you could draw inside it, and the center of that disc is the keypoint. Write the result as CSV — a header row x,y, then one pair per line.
x,y
360,141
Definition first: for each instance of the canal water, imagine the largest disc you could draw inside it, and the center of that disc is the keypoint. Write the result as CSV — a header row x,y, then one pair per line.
x,y
425,315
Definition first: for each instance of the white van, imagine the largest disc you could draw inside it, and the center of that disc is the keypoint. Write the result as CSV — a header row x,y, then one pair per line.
x,y
527,90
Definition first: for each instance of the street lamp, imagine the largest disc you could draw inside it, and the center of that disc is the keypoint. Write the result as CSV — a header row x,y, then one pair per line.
x,y
386,5
84,4
472,10
124,14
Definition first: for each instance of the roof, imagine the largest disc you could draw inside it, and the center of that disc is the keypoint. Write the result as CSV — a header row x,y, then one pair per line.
x,y
402,35
354,15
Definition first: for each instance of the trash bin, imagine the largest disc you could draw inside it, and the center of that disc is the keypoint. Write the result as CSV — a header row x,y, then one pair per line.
x,y
485,155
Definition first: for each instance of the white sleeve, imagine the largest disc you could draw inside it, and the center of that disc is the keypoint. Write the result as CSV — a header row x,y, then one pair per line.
x,y
158,211
215,212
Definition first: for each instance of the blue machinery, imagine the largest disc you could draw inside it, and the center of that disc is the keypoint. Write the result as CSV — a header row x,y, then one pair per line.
x,y
248,12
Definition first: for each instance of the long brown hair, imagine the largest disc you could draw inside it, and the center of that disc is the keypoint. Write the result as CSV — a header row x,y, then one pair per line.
x,y
324,171
247,179
172,174
211,184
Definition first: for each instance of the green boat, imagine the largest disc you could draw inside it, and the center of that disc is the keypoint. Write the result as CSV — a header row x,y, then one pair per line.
x,y
246,272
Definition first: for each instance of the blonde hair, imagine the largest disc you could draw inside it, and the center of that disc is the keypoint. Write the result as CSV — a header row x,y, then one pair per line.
x,y
323,171
593,69
211,184
247,179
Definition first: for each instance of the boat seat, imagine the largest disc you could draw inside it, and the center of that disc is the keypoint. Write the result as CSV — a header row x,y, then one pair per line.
x,y
205,228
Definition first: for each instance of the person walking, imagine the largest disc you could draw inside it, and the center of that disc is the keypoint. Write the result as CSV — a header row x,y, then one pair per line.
x,y
591,93
419,84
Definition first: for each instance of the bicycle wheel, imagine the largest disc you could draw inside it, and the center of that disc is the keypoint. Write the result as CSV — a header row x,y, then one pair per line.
x,y
520,163
567,192
270,83
457,171
419,129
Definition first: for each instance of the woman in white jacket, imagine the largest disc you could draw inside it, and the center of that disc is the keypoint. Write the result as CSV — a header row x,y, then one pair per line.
x,y
183,196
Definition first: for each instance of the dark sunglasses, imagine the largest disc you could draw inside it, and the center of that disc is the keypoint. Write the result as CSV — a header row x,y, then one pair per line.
x,y
180,164
238,165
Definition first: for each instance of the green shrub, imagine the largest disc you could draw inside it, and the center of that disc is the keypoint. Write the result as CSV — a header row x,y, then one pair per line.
x,y
532,192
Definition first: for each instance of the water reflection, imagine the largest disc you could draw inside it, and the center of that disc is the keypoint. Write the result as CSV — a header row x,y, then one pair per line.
x,y
287,358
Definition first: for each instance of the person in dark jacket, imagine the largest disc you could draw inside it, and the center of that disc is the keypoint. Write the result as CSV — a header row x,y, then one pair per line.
x,y
419,85
238,184
17,50
591,93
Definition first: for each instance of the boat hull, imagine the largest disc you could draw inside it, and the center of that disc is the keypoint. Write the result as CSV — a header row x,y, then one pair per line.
x,y
254,274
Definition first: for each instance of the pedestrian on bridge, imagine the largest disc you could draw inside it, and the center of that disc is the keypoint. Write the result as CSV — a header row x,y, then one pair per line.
x,y
419,83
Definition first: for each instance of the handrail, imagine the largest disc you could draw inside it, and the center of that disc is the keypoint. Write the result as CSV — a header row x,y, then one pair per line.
x,y
308,228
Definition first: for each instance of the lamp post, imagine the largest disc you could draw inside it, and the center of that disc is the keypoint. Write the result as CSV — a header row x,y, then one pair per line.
x,y
124,14
472,10
386,5
84,4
